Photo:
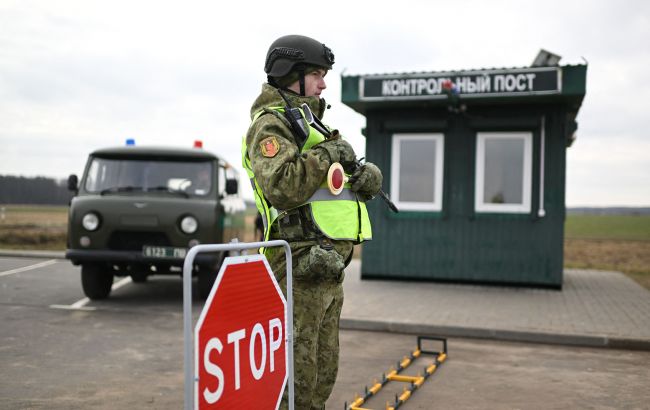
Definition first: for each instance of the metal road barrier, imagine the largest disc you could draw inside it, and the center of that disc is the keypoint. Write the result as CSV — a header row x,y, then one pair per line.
x,y
188,266
394,375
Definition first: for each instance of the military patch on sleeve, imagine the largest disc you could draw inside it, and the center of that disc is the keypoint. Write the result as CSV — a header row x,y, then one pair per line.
x,y
270,147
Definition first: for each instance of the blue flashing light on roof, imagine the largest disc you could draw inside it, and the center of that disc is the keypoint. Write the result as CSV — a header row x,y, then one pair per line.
x,y
130,142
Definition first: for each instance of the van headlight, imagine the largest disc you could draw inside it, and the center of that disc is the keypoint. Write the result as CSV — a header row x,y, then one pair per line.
x,y
90,221
189,224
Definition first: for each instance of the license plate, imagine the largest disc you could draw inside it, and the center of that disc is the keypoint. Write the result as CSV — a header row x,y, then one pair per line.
x,y
163,252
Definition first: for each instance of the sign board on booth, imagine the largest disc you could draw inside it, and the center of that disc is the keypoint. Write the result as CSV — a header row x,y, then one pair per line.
x,y
471,84
240,339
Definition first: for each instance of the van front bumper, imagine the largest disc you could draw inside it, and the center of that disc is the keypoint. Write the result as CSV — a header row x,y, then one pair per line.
x,y
81,256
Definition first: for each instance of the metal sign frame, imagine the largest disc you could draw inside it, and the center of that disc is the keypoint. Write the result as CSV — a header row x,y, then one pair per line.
x,y
188,355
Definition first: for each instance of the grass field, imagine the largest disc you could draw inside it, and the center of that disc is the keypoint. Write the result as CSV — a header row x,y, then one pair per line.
x,y
603,242
33,227
609,242
624,227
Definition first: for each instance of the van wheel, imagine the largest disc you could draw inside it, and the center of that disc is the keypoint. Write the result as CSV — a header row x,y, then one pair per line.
x,y
96,281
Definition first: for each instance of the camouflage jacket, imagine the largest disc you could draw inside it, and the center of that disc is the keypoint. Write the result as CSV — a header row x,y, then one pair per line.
x,y
288,178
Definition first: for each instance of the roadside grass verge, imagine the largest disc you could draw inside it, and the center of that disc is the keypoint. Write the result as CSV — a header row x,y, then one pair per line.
x,y
601,242
609,242
630,257
33,227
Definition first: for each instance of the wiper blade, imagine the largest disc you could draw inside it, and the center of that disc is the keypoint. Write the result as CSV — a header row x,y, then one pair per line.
x,y
117,189
170,190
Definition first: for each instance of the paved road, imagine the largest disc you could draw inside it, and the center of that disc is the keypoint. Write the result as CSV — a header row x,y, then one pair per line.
x,y
126,352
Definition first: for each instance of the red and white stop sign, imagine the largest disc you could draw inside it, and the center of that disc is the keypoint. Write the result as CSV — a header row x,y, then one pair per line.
x,y
240,339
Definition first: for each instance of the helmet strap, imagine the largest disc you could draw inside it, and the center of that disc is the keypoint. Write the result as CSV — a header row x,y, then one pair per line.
x,y
301,79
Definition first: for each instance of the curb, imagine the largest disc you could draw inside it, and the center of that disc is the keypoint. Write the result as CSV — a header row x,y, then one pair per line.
x,y
601,341
32,254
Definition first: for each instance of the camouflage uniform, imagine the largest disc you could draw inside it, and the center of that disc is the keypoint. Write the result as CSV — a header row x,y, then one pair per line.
x,y
287,180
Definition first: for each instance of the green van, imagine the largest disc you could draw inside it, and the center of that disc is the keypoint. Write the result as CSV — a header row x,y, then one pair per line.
x,y
137,210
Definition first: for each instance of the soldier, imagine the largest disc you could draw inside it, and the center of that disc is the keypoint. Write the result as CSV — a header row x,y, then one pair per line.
x,y
289,171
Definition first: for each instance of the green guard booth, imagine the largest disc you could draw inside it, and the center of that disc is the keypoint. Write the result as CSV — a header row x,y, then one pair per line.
x,y
475,160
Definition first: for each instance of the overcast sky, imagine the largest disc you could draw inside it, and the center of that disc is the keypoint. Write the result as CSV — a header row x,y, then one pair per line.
x,y
80,75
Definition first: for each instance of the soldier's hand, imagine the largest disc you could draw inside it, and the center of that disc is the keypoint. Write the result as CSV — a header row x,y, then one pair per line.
x,y
367,180
339,150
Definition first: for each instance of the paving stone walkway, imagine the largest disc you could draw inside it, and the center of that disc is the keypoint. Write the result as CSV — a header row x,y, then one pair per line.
x,y
594,308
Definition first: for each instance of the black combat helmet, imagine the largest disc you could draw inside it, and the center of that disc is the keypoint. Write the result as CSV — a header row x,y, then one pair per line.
x,y
287,51
295,53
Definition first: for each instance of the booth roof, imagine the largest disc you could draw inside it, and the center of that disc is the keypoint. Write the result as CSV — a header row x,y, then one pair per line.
x,y
564,85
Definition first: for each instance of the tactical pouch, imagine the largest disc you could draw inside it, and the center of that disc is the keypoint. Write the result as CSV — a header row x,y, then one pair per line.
x,y
289,226
320,265
296,225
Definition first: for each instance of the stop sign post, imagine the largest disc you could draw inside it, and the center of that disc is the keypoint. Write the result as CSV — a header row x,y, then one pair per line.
x,y
242,342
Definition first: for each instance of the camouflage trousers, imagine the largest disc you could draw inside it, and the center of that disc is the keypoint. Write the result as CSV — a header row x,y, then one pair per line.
x,y
317,308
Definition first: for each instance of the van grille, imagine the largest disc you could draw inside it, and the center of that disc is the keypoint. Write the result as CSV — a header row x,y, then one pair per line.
x,y
133,241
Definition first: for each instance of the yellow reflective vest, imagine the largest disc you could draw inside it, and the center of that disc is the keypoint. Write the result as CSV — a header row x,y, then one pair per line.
x,y
338,217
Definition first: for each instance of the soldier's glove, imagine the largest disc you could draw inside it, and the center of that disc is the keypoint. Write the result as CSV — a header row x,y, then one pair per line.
x,y
366,180
338,150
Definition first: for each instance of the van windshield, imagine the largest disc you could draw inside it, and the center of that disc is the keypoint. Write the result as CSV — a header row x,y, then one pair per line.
x,y
107,176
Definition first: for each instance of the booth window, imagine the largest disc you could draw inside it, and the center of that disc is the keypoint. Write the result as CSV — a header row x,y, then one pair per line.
x,y
416,171
503,172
